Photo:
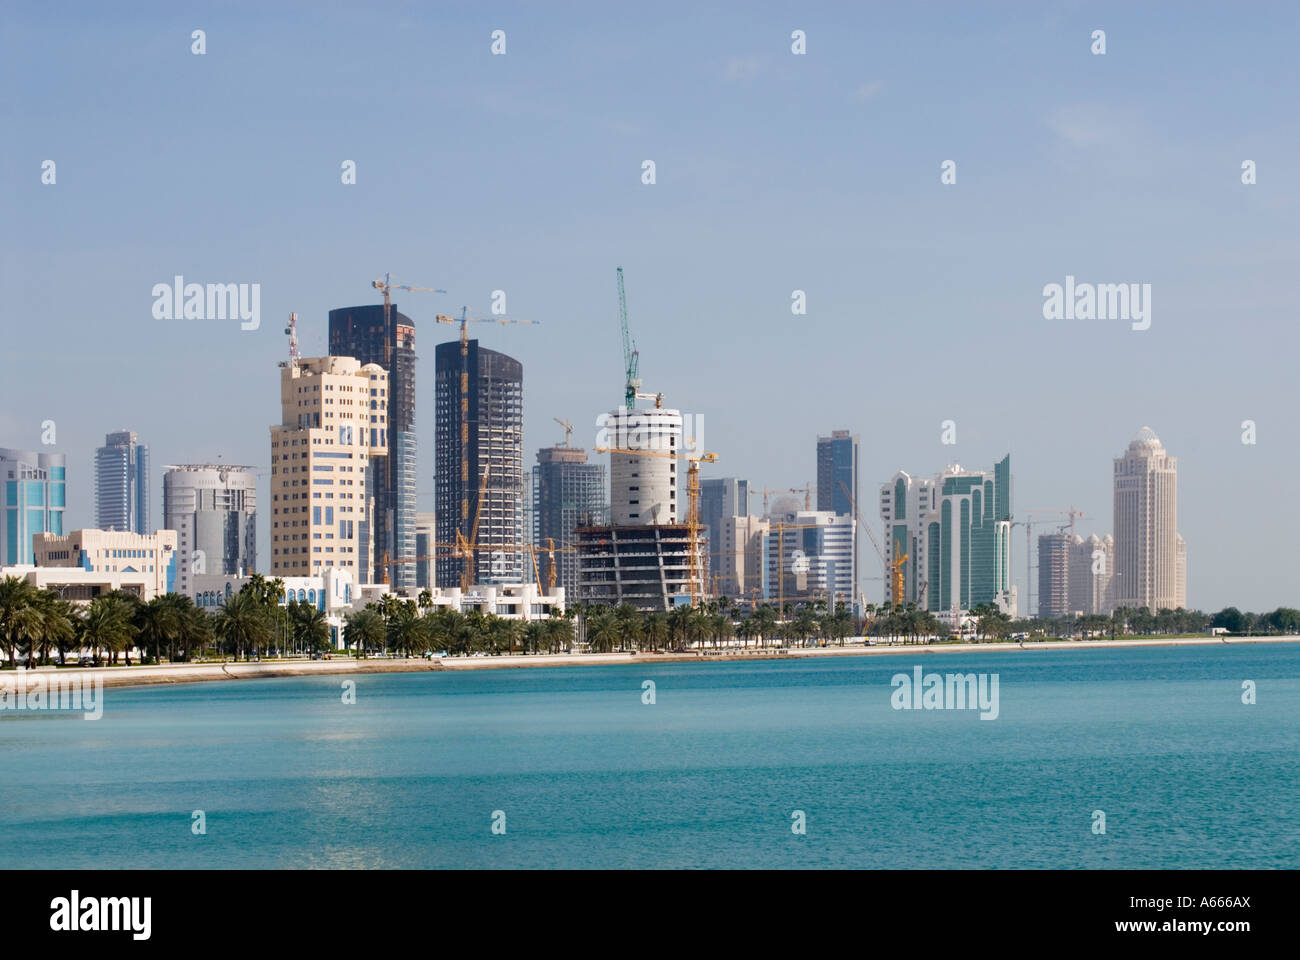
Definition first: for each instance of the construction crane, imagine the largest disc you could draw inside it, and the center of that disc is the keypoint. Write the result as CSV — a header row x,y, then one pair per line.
x,y
385,286
695,580
469,544
464,320
631,356
896,574
568,429
1052,516
891,572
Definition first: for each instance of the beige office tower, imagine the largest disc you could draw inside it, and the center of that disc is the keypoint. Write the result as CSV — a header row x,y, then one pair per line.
x,y
1092,564
1146,519
334,426
739,556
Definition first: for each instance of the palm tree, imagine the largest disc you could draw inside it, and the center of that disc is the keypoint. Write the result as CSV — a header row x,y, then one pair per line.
x,y
243,624
58,624
311,631
156,622
365,630
425,600
630,627
679,626
602,630
16,596
558,632
655,629
107,626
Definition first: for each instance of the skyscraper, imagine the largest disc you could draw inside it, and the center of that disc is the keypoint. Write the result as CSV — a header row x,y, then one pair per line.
x,y
367,335
956,533
720,498
213,509
1054,574
35,495
1092,574
333,426
837,469
1146,526
122,483
479,446
568,492
808,555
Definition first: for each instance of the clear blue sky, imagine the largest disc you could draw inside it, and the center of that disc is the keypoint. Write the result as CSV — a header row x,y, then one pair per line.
x,y
775,172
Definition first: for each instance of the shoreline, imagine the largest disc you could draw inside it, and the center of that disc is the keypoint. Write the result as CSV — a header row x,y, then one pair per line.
x,y
140,676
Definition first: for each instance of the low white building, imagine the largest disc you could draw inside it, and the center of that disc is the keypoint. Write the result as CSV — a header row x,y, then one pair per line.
x,y
331,592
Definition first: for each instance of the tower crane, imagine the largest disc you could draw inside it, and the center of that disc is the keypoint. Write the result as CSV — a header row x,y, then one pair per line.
x,y
806,490
386,286
464,320
631,356
893,572
568,429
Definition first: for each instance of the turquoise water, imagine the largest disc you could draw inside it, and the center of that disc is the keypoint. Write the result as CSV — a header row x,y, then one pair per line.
x,y
708,776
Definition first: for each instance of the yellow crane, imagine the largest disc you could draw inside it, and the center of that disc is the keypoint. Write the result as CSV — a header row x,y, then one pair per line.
x,y
695,580
467,545
462,548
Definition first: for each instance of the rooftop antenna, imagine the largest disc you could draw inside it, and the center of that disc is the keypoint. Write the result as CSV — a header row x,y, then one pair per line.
x,y
291,331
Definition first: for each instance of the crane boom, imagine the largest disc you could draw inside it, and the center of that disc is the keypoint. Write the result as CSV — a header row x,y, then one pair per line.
x,y
631,358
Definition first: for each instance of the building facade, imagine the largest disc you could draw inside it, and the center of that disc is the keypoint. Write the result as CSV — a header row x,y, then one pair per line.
x,y
368,335
955,531
122,483
1146,531
721,498
1054,574
213,509
808,555
739,557
1092,566
333,428
35,497
568,493
150,558
425,548
838,469
479,474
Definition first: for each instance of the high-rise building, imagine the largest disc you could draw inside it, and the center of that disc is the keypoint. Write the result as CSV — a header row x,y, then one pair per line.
x,y
425,548
956,533
811,551
646,555
370,336
568,493
213,509
720,498
333,426
1092,566
1054,575
837,469
35,496
479,414
1180,593
1146,526
122,483
739,556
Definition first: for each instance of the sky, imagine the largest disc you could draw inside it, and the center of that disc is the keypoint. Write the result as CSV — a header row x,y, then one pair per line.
x,y
774,172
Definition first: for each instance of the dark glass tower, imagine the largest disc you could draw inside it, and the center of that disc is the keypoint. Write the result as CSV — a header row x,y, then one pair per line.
x,y
366,334
479,414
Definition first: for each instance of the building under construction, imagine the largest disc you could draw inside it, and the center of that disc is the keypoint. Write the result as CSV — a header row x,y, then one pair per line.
x,y
568,493
646,565
479,479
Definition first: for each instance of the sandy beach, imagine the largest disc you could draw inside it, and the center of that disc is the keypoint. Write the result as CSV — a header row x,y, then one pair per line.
x,y
208,672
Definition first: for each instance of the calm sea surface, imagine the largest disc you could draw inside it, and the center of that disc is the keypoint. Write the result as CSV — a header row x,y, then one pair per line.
x,y
708,776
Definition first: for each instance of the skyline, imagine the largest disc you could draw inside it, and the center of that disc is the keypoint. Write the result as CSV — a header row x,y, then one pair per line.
x,y
774,174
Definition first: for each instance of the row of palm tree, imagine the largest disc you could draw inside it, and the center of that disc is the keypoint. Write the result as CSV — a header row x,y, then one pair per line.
x,y
43,628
